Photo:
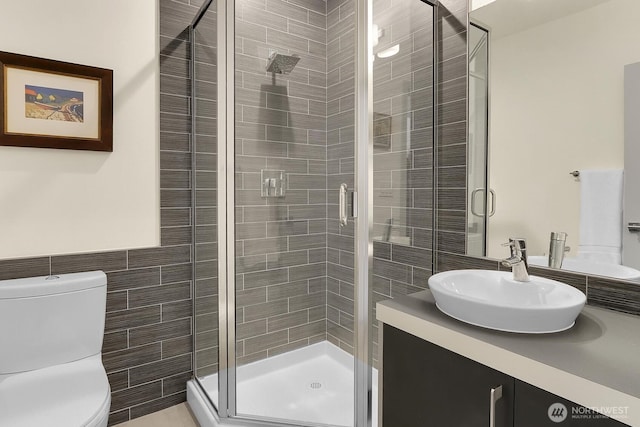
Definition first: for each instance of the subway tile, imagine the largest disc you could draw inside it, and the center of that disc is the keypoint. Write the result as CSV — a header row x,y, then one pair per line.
x,y
172,236
132,318
291,346
307,271
136,395
264,342
308,330
118,380
175,217
116,301
453,112
302,302
264,18
263,246
287,259
170,160
118,417
247,264
265,278
159,369
409,255
613,294
392,270
114,341
291,11
135,356
447,261
250,230
177,310
287,320
175,273
158,256
251,296
159,332
340,332
175,384
265,310
452,221
451,242
282,291
251,329
175,198
307,241
287,228
177,346
455,45
105,261
340,272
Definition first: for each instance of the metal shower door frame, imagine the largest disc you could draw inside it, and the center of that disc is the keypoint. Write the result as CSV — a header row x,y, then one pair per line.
x,y
363,246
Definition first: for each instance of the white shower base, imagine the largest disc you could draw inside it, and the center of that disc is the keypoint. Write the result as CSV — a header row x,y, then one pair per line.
x,y
312,385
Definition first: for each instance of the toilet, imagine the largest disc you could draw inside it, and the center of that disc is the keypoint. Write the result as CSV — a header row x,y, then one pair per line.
x,y
51,371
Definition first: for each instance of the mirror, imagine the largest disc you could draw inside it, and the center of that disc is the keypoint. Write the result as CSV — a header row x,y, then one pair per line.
x,y
552,75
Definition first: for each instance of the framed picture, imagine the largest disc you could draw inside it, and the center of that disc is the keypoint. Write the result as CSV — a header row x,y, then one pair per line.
x,y
53,104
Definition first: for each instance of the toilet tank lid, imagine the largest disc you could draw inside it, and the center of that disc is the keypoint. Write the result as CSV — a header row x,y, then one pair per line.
x,y
51,285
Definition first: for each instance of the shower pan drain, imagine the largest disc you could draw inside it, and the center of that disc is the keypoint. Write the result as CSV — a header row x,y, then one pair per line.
x,y
315,385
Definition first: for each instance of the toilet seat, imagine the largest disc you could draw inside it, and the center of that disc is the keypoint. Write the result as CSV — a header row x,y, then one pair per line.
x,y
74,394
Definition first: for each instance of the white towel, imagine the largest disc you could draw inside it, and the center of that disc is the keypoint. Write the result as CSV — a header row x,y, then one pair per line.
x,y
601,215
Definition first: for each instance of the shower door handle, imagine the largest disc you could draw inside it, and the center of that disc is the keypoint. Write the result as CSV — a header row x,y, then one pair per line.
x,y
634,227
492,204
343,205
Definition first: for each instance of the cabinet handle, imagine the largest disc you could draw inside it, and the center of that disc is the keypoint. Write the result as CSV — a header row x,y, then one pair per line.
x,y
496,394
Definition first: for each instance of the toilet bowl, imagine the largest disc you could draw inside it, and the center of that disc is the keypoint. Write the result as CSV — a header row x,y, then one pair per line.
x,y
51,371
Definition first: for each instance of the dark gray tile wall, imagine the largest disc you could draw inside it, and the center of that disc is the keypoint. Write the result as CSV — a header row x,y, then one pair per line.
x,y
403,152
450,157
341,51
281,124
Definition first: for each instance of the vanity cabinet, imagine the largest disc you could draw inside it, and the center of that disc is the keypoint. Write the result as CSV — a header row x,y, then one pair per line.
x,y
424,385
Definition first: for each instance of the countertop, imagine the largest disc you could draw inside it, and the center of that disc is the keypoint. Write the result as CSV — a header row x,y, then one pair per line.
x,y
595,364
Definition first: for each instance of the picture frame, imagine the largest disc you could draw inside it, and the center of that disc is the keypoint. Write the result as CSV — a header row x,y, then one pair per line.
x,y
52,104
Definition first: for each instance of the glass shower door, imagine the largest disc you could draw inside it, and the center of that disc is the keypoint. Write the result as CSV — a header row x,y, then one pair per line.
x,y
481,199
279,238
403,139
294,264
205,203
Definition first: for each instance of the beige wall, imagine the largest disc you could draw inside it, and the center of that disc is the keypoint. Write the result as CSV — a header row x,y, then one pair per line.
x,y
556,106
65,201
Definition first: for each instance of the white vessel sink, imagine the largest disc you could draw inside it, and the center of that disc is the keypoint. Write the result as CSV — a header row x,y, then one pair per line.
x,y
591,267
492,299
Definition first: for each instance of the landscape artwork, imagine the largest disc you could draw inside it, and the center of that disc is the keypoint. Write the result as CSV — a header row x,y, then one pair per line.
x,y
47,103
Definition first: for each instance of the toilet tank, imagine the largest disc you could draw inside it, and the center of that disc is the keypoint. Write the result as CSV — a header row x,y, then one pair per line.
x,y
46,321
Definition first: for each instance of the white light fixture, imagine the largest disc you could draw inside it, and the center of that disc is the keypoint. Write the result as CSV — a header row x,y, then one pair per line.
x,y
389,52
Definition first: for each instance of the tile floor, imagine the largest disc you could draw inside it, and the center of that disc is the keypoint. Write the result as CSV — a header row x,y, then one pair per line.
x,y
175,416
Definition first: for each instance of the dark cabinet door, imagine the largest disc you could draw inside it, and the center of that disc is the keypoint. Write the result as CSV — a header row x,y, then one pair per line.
x,y
535,407
427,386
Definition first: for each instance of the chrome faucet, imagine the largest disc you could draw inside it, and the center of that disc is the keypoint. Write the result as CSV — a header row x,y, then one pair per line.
x,y
557,249
518,259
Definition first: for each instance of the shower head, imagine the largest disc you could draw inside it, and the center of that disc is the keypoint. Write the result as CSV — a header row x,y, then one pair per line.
x,y
282,64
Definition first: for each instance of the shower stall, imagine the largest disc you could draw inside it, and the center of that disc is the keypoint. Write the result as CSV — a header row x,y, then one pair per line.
x,y
313,175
